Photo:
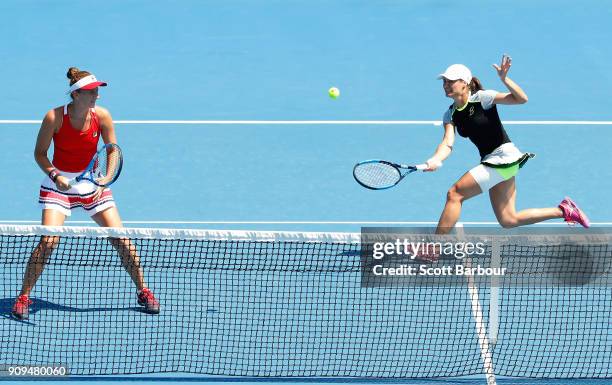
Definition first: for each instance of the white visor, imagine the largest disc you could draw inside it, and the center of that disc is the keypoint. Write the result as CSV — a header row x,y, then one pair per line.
x,y
87,83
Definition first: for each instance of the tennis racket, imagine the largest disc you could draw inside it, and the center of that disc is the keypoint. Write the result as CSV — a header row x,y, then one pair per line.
x,y
380,175
104,168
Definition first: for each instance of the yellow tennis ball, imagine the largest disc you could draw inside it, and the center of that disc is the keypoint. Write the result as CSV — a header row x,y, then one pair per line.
x,y
334,92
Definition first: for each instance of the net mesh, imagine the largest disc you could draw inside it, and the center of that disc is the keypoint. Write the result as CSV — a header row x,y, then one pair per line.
x,y
282,305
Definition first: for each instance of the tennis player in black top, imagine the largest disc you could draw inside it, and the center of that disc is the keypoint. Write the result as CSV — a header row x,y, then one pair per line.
x,y
473,115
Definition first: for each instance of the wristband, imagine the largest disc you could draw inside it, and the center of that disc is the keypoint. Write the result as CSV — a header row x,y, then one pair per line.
x,y
53,174
431,162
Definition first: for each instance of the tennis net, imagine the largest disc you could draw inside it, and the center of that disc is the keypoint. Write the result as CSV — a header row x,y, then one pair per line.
x,y
282,304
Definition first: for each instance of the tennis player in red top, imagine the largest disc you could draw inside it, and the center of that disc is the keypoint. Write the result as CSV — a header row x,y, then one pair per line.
x,y
75,130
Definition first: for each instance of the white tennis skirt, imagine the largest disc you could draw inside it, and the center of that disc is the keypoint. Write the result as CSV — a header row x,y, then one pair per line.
x,y
79,196
500,165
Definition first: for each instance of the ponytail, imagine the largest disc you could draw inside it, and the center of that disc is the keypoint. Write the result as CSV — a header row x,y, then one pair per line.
x,y
475,85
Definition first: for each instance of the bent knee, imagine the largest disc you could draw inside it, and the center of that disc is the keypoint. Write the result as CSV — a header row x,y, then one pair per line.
x,y
49,242
454,195
44,249
508,222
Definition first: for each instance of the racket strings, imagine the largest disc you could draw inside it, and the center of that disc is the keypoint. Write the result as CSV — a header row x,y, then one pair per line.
x,y
108,165
377,175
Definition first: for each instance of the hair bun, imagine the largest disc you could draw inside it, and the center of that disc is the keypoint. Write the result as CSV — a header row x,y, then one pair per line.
x,y
72,72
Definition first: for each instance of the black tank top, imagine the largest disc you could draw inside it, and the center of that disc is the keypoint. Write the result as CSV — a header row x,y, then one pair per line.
x,y
482,126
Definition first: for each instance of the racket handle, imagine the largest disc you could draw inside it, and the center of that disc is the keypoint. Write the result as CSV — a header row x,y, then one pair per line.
x,y
421,166
75,180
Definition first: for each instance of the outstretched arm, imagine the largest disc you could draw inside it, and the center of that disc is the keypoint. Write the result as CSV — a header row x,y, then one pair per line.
x,y
443,150
516,94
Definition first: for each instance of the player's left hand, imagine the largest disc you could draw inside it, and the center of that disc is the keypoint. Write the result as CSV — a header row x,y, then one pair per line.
x,y
502,70
98,193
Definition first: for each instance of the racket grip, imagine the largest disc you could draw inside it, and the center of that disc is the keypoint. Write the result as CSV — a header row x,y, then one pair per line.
x,y
421,166
74,181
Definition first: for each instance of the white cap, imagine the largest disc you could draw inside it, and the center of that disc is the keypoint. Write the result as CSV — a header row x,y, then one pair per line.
x,y
456,72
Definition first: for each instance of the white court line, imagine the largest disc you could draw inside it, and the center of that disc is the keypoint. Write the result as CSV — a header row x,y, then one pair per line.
x,y
338,122
480,323
299,223
494,294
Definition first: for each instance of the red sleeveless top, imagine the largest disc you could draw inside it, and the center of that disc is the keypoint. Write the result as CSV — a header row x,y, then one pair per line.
x,y
73,149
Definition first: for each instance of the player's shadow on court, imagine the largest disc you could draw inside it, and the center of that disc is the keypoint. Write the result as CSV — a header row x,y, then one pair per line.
x,y
6,305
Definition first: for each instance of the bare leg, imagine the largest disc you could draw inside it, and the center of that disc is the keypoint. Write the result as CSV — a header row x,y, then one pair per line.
x,y
40,255
129,257
465,188
503,200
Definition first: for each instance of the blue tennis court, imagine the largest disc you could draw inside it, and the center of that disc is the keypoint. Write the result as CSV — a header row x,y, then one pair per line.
x,y
221,109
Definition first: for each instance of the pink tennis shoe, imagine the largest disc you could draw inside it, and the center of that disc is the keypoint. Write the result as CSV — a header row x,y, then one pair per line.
x,y
572,213
21,308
